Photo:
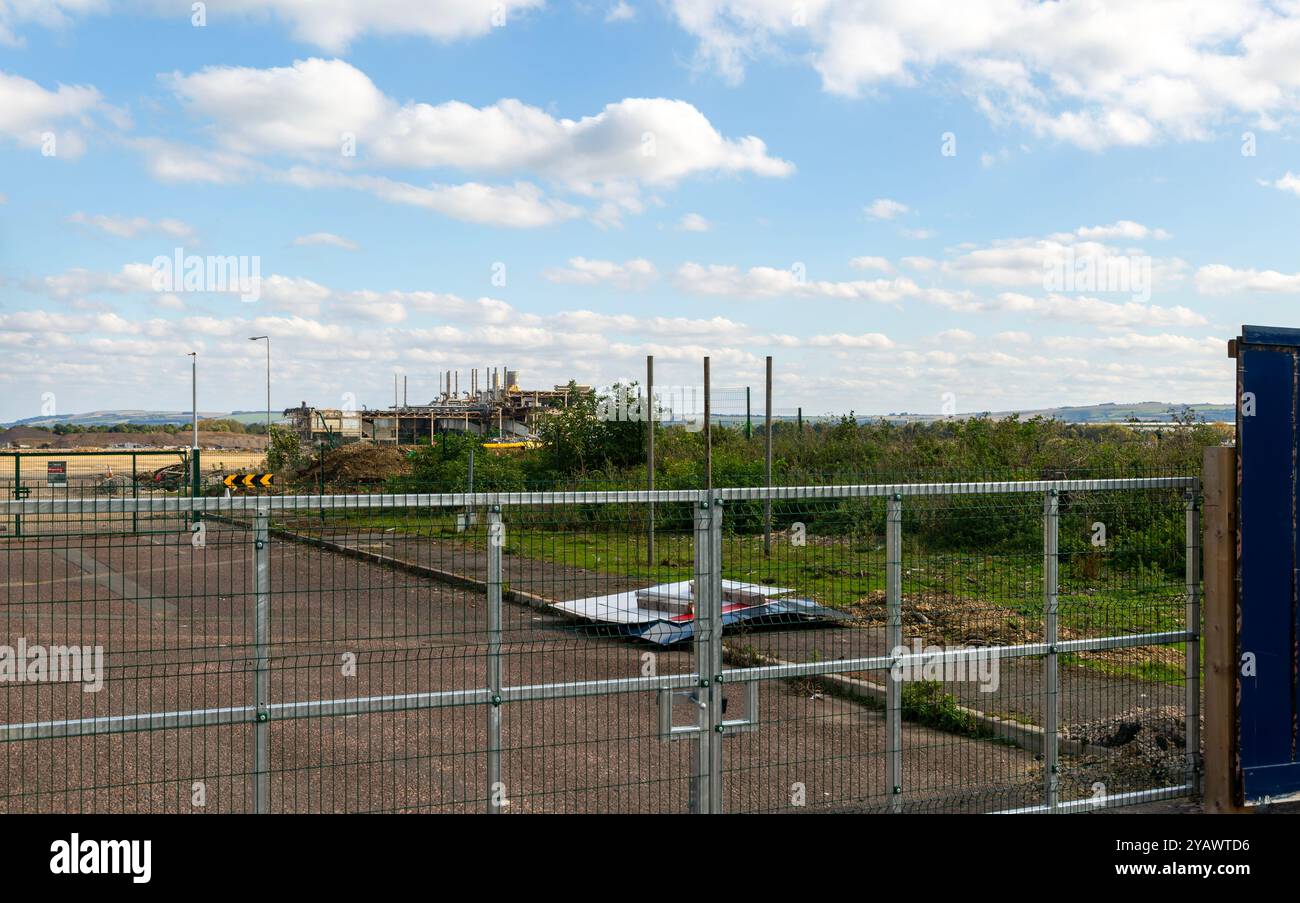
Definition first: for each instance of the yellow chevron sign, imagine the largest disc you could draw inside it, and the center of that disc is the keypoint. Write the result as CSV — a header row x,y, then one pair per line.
x,y
248,480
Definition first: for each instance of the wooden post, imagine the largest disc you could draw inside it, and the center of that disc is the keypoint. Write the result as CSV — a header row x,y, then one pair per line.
x,y
650,413
1219,637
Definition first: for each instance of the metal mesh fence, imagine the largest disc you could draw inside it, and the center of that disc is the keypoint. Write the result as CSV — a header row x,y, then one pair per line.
x,y
884,647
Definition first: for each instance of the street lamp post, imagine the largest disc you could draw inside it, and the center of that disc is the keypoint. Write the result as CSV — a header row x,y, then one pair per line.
x,y
255,338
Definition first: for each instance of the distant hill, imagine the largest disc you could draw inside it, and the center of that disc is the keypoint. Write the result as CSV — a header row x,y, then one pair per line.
x,y
1112,412
1146,411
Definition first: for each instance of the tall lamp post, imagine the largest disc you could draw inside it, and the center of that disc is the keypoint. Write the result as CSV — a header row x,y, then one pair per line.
x,y
254,338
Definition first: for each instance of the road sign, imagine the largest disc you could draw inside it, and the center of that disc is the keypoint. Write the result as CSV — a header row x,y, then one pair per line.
x,y
56,474
248,480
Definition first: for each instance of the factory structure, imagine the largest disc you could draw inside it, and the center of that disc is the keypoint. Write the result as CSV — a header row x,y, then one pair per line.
x,y
494,406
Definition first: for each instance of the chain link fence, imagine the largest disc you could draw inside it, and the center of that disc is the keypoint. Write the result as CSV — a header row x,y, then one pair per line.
x,y
996,646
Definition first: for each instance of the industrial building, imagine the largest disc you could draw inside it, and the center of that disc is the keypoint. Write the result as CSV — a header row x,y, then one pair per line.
x,y
492,406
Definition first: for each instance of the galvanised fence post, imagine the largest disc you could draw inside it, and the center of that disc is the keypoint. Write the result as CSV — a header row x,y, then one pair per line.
x,y
894,640
261,662
715,660
1051,667
701,794
1192,656
496,541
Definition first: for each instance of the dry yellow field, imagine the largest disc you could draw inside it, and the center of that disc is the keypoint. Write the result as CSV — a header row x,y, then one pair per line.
x,y
118,462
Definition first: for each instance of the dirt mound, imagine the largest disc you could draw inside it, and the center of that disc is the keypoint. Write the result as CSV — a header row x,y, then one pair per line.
x,y
25,435
357,464
1145,746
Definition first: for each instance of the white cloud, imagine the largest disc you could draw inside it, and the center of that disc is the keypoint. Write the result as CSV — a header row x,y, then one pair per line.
x,y
1219,279
304,111
330,24
621,12
921,264
522,205
886,209
1095,73
325,239
769,282
130,227
1289,182
133,277
1023,262
693,222
29,113
46,13
1096,312
1123,229
871,263
168,161
632,274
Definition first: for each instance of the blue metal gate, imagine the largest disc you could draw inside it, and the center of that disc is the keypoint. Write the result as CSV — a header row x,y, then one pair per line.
x,y
1268,442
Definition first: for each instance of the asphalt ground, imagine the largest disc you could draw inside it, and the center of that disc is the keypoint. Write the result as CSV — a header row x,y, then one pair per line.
x,y
176,626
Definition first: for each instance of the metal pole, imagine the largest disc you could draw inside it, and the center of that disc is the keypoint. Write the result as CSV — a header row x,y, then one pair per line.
x,y
651,415
767,464
715,659
496,539
708,433
268,392
701,790
194,393
1051,670
894,640
749,422
1192,655
135,494
261,663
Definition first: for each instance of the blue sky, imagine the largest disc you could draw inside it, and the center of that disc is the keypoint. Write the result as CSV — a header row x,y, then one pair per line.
x,y
882,196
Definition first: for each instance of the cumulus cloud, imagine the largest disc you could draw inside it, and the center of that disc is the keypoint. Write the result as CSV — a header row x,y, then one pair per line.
x,y
1066,261
30,114
1219,279
884,208
325,239
1289,182
770,282
632,274
1094,73
871,263
310,109
522,205
329,24
130,227
693,222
